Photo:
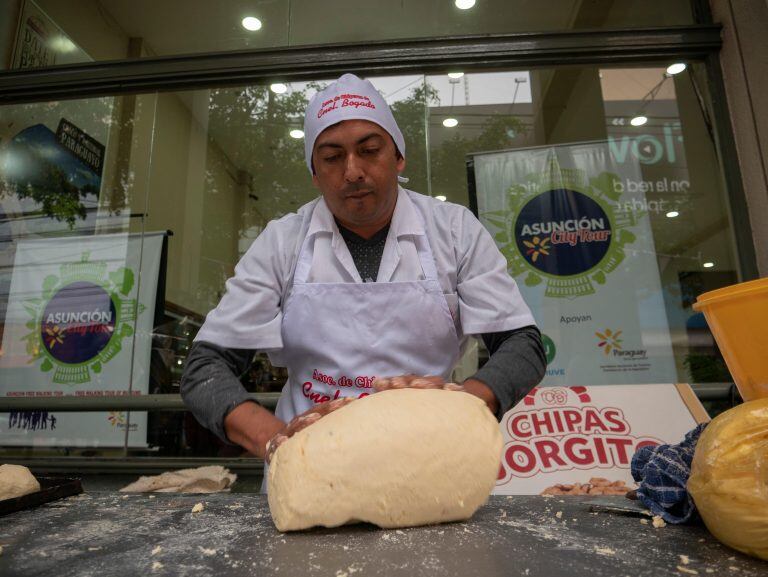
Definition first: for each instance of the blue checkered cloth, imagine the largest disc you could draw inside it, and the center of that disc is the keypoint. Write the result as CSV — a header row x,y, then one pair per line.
x,y
662,472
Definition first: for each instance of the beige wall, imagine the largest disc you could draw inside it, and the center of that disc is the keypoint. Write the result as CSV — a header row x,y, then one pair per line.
x,y
192,192
744,60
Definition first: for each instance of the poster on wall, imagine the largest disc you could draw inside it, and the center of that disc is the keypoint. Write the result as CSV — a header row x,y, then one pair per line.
x,y
34,39
53,178
41,42
79,323
50,182
580,246
580,439
52,155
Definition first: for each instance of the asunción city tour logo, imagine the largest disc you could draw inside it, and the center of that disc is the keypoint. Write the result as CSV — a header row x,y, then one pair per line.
x,y
563,228
81,319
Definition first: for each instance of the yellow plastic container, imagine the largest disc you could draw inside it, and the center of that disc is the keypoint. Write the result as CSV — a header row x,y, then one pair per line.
x,y
737,315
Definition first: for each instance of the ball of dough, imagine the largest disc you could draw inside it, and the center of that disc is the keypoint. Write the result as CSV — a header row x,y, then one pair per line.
x,y
16,481
397,458
729,478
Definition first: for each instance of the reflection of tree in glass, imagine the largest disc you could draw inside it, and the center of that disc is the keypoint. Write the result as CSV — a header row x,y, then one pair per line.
x,y
35,166
449,172
410,114
707,368
58,198
272,161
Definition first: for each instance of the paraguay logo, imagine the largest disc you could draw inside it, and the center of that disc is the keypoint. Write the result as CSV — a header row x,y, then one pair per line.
x,y
609,340
116,418
81,320
564,228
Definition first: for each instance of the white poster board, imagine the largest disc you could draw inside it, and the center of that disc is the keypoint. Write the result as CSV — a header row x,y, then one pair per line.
x,y
567,435
79,322
580,247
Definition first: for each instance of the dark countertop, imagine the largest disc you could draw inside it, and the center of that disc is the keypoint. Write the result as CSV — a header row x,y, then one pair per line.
x,y
109,533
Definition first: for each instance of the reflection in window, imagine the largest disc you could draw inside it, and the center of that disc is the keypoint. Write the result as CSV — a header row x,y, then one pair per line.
x,y
208,169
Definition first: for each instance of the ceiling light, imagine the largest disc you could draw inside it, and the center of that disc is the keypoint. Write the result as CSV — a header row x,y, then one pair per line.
x,y
672,214
638,120
464,4
251,23
455,75
278,88
676,68
63,45
441,198
708,264
450,122
296,133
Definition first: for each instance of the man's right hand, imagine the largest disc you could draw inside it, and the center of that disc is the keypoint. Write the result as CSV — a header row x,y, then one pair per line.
x,y
252,426
303,421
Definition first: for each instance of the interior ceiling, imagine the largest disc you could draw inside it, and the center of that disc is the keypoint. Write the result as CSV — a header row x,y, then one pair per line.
x,y
194,26
181,26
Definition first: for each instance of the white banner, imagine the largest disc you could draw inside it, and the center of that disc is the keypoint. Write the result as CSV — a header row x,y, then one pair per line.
x,y
79,322
581,249
571,435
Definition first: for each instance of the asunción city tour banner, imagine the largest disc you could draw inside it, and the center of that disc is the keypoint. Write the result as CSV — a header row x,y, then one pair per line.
x,y
580,246
79,322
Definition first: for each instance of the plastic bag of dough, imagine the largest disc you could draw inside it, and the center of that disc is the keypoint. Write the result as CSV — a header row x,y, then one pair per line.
x,y
729,478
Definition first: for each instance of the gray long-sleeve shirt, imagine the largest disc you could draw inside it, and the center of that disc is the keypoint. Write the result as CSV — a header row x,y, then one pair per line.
x,y
211,385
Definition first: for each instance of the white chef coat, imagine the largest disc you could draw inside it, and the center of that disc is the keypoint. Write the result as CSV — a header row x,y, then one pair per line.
x,y
472,273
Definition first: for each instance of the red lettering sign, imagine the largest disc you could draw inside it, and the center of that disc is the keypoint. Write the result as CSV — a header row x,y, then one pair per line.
x,y
563,438
526,458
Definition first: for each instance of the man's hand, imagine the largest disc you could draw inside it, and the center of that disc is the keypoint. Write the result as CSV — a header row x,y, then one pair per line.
x,y
251,426
413,382
471,386
482,391
303,421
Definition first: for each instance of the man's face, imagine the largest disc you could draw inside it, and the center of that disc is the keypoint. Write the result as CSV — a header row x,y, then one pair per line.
x,y
356,167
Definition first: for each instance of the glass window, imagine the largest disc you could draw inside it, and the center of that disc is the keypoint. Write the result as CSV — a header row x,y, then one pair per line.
x,y
50,32
611,225
79,273
630,155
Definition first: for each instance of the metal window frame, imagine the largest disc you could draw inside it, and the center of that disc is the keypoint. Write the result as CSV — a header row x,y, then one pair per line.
x,y
174,402
524,50
154,402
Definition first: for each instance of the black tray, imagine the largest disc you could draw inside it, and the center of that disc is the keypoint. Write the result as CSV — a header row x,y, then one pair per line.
x,y
51,488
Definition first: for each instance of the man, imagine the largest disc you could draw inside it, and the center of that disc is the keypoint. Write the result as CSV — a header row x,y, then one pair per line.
x,y
368,281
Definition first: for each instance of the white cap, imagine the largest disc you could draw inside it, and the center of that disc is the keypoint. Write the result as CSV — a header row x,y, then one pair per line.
x,y
349,98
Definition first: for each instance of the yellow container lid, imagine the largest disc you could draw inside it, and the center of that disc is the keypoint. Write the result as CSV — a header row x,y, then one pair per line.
x,y
743,289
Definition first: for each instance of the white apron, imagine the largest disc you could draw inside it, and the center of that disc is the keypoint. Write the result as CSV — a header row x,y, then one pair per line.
x,y
338,337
